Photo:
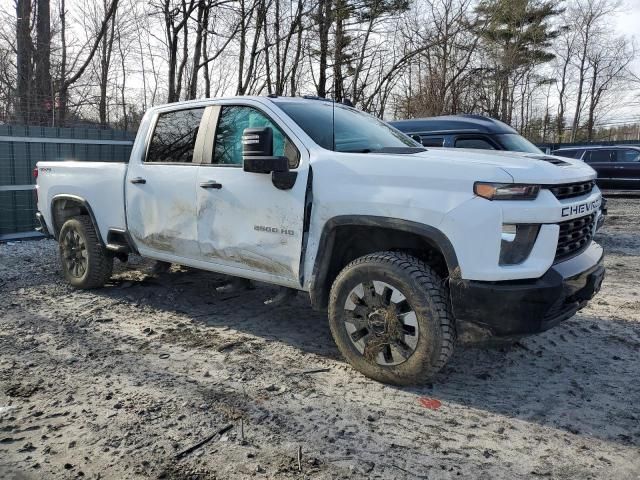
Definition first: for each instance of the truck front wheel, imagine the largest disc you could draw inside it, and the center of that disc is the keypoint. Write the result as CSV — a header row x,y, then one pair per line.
x,y
85,263
389,315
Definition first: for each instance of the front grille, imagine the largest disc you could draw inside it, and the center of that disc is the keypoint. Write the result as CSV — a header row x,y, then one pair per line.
x,y
575,236
570,190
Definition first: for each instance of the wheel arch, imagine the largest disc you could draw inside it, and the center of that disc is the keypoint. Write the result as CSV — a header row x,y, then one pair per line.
x,y
338,246
65,206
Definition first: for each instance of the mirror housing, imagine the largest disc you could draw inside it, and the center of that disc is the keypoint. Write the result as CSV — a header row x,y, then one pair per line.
x,y
257,152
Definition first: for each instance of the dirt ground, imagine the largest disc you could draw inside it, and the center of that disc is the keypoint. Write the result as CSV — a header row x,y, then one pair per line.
x,y
119,382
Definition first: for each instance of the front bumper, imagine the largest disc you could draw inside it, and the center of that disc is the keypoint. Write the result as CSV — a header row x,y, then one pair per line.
x,y
521,307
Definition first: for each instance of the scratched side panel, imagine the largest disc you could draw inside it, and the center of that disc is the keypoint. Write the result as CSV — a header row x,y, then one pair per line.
x,y
251,224
162,212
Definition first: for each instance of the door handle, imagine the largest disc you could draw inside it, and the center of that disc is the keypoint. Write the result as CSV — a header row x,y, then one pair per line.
x,y
138,180
211,184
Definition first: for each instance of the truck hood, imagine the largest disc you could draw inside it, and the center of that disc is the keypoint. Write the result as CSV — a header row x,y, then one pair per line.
x,y
522,167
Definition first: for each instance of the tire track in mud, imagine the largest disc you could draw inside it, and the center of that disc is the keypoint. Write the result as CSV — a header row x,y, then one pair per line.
x,y
85,367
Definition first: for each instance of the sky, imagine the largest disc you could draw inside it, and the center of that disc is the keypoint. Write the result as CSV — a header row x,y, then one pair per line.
x,y
628,23
629,20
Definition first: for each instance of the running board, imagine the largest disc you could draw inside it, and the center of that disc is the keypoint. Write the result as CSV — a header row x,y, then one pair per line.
x,y
118,248
119,241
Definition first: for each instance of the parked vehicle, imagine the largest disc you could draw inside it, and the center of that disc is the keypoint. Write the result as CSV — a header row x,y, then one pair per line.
x,y
475,132
406,248
618,166
466,131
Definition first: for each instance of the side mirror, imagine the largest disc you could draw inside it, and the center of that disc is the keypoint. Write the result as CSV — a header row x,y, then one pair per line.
x,y
417,138
257,152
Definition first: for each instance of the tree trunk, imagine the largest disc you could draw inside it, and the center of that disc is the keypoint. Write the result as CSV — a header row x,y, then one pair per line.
x,y
324,24
63,89
338,53
24,51
43,100
203,20
296,59
576,116
106,50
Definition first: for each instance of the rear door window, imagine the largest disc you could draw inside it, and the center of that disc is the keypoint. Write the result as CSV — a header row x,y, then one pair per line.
x,y
474,142
568,153
432,141
598,156
174,136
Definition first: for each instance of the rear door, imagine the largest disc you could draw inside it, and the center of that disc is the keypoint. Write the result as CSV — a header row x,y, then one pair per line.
x,y
160,190
245,223
600,160
626,169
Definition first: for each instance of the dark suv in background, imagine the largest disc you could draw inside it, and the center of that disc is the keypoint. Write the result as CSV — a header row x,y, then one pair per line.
x,y
618,166
466,131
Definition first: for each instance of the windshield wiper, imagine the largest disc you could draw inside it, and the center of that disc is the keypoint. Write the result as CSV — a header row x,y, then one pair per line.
x,y
397,150
357,150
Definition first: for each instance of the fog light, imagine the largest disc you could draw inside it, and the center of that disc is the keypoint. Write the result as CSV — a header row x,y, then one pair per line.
x,y
517,243
509,232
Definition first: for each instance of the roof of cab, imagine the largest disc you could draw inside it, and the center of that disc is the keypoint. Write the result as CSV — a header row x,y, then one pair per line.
x,y
453,124
598,147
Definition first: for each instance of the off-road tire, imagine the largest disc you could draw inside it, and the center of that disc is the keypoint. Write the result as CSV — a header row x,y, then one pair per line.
x,y
99,264
427,295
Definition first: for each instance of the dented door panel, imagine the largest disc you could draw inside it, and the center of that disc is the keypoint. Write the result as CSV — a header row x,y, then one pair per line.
x,y
248,223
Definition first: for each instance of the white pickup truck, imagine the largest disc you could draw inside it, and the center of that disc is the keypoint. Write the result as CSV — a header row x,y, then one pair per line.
x,y
408,249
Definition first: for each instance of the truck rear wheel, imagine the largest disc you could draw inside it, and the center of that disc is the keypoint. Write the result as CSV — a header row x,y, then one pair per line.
x,y
85,263
389,315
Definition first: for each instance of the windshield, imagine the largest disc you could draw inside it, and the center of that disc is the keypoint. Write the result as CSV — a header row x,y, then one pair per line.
x,y
517,143
355,131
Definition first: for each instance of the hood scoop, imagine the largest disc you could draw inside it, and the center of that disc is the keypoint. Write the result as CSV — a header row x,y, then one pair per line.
x,y
549,159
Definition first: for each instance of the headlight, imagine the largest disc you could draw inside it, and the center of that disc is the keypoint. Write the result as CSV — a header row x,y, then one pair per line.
x,y
517,243
506,191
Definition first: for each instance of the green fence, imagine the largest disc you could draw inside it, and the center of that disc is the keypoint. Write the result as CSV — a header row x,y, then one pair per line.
x,y
22,147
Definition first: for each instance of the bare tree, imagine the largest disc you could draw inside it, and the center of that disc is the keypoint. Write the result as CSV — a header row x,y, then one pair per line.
x,y
71,72
588,17
608,66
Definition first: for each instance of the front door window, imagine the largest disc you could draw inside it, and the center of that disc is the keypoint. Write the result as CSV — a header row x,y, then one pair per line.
x,y
233,121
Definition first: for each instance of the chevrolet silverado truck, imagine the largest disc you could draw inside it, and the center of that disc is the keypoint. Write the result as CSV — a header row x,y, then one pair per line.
x,y
409,250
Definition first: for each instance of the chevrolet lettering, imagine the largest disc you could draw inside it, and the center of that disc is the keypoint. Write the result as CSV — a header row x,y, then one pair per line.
x,y
581,208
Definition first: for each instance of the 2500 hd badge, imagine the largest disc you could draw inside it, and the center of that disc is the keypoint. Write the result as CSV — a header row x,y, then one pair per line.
x,y
586,207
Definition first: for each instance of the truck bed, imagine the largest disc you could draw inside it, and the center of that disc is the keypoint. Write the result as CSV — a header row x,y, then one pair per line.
x,y
101,184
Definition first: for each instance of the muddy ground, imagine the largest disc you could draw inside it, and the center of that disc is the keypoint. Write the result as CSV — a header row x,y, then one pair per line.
x,y
119,382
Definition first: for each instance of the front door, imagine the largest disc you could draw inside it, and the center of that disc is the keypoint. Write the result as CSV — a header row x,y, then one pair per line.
x,y
626,168
600,160
244,222
160,190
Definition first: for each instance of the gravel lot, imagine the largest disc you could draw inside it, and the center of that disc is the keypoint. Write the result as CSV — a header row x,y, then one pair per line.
x,y
119,382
